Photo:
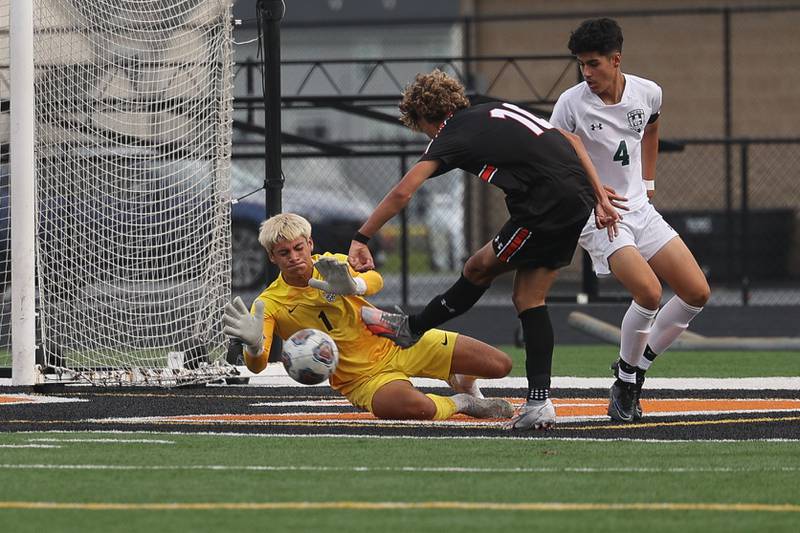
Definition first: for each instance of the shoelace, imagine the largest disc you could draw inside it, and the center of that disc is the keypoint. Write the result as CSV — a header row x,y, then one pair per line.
x,y
393,320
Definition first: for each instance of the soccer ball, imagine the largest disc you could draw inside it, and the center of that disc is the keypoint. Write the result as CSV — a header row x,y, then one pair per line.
x,y
310,356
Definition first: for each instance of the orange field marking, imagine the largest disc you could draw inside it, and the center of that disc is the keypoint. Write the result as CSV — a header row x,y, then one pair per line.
x,y
274,416
581,407
594,407
14,399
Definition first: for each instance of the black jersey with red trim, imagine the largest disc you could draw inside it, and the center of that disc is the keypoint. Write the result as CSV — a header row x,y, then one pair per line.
x,y
531,161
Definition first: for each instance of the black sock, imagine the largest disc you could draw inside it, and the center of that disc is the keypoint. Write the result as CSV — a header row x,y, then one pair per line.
x,y
455,301
538,335
625,367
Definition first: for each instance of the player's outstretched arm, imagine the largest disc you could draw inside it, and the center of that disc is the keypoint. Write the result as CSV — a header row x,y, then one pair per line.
x,y
395,201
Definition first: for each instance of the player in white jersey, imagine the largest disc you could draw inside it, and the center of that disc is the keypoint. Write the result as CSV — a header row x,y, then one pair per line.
x,y
616,117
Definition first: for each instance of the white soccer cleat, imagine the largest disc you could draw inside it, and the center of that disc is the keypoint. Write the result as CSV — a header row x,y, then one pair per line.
x,y
487,407
465,384
535,414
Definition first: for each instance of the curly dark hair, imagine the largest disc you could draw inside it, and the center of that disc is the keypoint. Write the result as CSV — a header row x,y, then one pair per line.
x,y
603,36
432,97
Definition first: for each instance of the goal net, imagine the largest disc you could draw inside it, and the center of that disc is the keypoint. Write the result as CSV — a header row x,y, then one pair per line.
x,y
133,106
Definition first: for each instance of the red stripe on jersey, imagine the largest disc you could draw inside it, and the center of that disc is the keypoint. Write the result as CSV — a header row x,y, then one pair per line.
x,y
516,242
487,172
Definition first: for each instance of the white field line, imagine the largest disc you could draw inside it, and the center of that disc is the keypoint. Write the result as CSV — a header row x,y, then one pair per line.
x,y
322,402
402,469
107,441
276,377
570,402
292,417
278,435
332,417
28,446
36,398
373,506
763,383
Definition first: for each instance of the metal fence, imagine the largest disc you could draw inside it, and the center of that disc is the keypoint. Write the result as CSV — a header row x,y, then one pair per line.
x,y
726,176
741,221
736,203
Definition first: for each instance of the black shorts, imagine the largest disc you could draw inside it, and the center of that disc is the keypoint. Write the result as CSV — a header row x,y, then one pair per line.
x,y
519,246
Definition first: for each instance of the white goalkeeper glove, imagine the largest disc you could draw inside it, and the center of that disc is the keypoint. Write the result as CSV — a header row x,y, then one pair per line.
x,y
241,324
336,278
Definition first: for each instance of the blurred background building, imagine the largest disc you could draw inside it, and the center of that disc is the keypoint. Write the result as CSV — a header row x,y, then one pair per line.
x,y
726,173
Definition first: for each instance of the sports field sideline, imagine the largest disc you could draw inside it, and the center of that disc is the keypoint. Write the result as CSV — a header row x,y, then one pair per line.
x,y
718,453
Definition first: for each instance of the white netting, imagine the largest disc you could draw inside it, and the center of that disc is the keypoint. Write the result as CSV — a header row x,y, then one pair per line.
x,y
5,236
133,105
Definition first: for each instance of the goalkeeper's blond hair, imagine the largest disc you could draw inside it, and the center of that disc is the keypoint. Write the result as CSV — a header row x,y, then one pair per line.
x,y
283,227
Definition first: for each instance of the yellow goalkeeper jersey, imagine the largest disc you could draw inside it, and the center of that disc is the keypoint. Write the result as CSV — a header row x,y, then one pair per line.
x,y
288,309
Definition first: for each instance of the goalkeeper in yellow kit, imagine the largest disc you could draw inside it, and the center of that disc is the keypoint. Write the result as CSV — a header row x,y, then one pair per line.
x,y
323,292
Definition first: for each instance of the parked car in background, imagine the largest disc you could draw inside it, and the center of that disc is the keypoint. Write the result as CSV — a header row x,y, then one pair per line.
x,y
335,208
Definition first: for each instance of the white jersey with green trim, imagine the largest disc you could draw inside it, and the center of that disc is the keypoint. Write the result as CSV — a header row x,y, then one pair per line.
x,y
613,133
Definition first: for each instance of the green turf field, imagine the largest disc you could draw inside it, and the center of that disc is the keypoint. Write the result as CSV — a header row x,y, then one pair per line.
x,y
593,360
207,483
352,484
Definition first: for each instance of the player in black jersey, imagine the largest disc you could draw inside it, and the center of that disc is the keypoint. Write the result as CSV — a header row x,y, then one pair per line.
x,y
551,188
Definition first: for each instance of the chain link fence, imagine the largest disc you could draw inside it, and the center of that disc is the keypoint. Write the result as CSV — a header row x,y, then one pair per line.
x,y
740,219
419,253
725,175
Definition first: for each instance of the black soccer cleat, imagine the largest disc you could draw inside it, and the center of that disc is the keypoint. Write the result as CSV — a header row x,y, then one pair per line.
x,y
637,414
622,401
637,404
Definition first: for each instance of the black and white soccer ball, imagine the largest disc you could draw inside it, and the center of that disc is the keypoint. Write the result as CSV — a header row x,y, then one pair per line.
x,y
310,356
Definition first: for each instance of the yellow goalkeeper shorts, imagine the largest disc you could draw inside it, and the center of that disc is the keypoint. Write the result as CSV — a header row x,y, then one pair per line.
x,y
430,357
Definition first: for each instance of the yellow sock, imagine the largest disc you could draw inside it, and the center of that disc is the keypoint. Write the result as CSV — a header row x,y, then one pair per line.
x,y
445,407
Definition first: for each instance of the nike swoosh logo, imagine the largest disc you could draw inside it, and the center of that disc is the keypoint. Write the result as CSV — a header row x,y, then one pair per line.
x,y
291,310
445,340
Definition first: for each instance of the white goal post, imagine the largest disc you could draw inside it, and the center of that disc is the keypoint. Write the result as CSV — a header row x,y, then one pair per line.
x,y
118,118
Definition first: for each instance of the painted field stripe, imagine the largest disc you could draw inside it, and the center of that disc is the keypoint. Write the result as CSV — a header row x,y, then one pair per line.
x,y
319,402
28,446
679,406
275,376
597,406
380,506
277,435
108,441
11,399
300,419
569,410
760,383
743,421
403,469
475,424
466,423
